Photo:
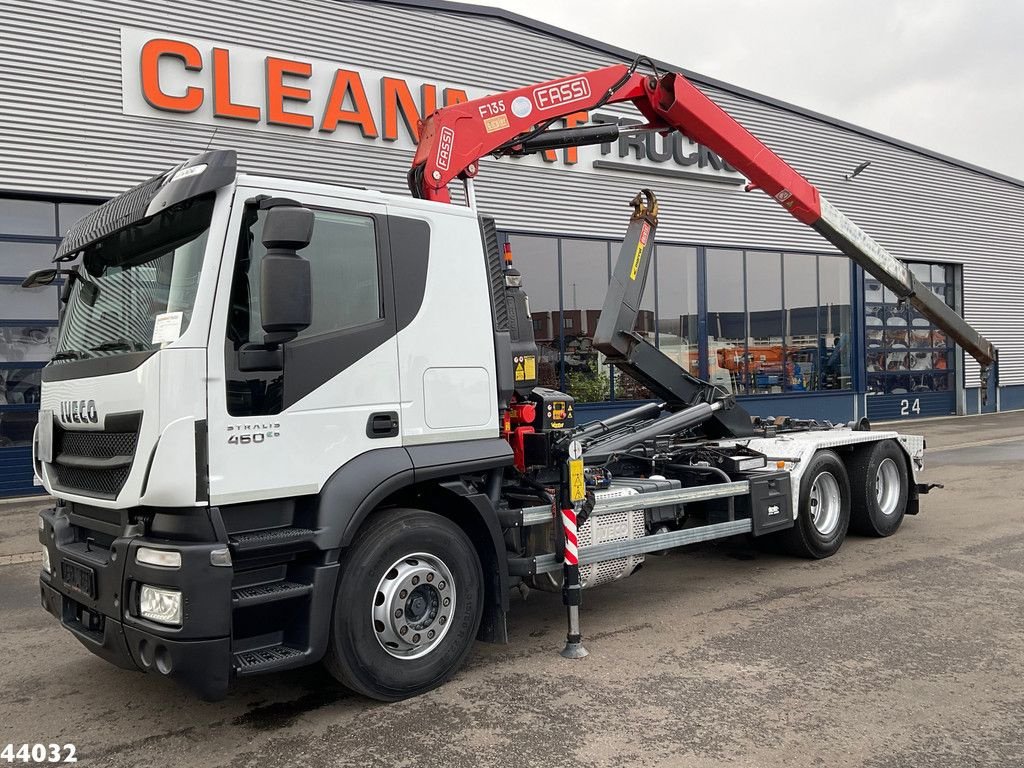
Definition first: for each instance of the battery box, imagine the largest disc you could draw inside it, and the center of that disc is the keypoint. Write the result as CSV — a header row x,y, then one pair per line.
x,y
770,503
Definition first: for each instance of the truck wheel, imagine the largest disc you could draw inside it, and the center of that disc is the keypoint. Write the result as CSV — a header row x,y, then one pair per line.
x,y
408,605
879,489
824,513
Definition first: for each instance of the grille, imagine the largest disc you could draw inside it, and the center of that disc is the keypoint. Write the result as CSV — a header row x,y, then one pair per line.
x,y
495,273
101,483
70,448
617,526
98,445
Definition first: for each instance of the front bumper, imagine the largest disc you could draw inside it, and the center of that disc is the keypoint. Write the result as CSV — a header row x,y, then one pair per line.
x,y
103,614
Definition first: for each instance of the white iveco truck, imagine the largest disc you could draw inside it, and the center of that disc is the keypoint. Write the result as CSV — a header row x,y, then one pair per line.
x,y
268,448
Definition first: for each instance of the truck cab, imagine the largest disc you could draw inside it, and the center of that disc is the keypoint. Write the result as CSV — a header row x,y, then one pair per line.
x,y
210,467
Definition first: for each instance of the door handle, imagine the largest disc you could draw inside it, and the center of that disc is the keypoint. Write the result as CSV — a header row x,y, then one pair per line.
x,y
384,424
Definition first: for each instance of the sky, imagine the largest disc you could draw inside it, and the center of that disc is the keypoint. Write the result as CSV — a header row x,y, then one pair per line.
x,y
947,75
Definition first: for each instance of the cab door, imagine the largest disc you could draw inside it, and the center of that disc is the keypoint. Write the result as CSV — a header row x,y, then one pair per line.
x,y
282,430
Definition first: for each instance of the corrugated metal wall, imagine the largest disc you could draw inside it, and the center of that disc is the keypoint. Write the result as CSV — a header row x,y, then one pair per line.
x,y
64,132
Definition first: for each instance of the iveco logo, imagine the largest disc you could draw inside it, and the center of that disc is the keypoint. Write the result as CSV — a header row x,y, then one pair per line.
x,y
445,142
79,412
565,92
774,510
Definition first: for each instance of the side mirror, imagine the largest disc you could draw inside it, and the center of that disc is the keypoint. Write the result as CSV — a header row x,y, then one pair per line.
x,y
286,304
41,277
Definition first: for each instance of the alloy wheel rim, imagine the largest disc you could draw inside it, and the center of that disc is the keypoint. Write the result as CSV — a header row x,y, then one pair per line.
x,y
887,487
413,606
825,503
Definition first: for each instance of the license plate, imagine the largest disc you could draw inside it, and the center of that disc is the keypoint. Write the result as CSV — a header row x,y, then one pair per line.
x,y
78,578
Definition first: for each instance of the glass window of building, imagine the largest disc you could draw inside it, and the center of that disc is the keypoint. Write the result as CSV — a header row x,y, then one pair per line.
x,y
537,259
726,319
905,352
765,352
584,285
677,305
27,217
835,327
18,259
800,321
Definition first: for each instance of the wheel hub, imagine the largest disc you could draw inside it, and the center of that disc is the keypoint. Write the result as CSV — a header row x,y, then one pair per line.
x,y
825,503
413,606
887,486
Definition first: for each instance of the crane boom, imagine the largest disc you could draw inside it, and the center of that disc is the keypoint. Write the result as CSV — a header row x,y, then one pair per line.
x,y
454,138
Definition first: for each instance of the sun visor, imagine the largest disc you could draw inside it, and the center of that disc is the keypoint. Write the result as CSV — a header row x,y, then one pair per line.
x,y
197,176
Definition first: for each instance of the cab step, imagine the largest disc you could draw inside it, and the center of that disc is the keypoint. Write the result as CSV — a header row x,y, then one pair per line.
x,y
276,539
270,659
243,597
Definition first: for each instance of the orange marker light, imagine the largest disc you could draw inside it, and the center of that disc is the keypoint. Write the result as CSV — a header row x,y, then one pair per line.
x,y
508,254
780,465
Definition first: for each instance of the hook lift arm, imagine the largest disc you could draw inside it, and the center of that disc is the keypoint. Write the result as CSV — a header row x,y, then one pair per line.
x,y
517,122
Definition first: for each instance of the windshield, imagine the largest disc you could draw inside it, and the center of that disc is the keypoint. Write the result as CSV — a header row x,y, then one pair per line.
x,y
135,289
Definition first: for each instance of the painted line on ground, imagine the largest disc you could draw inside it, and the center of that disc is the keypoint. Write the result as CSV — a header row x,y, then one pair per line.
x,y
26,557
975,444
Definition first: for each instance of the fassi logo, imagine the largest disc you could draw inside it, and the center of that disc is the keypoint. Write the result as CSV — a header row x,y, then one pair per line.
x,y
445,142
565,92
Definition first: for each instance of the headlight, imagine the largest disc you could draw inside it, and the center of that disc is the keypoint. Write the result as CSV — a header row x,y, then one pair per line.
x,y
160,605
42,523
163,558
46,560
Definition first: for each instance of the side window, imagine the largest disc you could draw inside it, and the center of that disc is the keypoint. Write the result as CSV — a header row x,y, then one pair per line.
x,y
346,284
344,267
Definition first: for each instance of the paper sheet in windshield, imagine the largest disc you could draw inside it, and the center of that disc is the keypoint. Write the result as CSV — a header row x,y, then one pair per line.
x,y
167,327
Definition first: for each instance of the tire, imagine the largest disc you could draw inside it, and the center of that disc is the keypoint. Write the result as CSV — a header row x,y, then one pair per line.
x,y
824,514
879,489
406,560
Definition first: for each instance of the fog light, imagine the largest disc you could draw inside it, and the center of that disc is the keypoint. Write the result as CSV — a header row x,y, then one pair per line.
x,y
162,558
160,605
46,560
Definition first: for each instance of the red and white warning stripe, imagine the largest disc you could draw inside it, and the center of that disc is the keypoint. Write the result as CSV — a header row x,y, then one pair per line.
x,y
571,544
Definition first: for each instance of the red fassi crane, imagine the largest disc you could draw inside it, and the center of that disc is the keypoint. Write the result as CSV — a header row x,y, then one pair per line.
x,y
453,139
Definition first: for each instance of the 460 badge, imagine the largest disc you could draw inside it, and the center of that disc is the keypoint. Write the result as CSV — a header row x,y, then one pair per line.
x,y
248,434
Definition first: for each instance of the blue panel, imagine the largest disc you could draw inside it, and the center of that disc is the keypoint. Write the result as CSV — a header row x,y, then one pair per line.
x,y
911,405
1011,398
836,407
16,472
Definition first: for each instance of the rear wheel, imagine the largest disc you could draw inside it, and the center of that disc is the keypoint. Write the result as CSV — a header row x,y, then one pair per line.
x,y
408,605
879,487
824,514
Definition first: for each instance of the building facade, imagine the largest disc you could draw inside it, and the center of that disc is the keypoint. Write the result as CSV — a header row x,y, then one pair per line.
x,y
101,95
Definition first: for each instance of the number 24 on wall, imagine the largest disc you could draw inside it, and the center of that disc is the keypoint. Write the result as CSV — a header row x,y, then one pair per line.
x,y
907,407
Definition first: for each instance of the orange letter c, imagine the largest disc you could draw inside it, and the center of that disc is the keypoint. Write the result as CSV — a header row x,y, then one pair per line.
x,y
156,97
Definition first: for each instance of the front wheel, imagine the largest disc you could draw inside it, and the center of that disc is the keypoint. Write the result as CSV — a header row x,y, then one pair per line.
x,y
408,605
824,514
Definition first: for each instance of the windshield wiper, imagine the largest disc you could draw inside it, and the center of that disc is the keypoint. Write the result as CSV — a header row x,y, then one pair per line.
x,y
69,355
123,345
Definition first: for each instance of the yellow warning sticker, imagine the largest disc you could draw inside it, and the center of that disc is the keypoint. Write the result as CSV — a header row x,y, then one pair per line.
x,y
520,375
530,366
577,486
497,123
636,260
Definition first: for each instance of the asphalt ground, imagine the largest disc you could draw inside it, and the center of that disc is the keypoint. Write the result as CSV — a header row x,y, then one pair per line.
x,y
907,651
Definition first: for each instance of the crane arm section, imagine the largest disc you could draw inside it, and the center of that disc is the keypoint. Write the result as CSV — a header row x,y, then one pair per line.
x,y
454,138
